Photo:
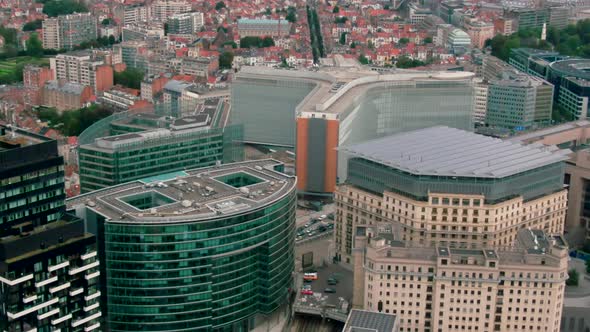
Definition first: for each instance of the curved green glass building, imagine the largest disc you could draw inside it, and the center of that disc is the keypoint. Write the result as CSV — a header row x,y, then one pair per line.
x,y
205,250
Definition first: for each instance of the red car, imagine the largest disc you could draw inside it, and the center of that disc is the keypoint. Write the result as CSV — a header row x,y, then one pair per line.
x,y
306,292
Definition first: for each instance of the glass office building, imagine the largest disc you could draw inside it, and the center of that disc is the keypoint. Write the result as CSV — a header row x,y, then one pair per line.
x,y
265,108
201,250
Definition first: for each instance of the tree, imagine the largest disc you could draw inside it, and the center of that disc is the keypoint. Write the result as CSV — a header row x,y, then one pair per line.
x,y
336,10
404,41
428,40
130,78
363,60
405,62
225,60
268,11
573,279
268,42
291,14
33,25
341,20
74,122
257,42
588,266
219,5
9,35
112,40
34,46
55,8
106,21
353,45
342,38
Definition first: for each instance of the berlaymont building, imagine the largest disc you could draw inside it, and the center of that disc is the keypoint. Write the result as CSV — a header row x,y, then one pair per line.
x,y
208,249
314,112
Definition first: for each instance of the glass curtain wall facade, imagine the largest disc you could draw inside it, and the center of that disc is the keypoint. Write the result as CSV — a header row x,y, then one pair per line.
x,y
101,168
405,106
266,109
210,275
378,178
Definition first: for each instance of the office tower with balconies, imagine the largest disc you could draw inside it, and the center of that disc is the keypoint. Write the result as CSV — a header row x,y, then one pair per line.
x,y
48,262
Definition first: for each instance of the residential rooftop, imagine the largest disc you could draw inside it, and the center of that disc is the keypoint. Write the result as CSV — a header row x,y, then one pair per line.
x,y
444,151
191,195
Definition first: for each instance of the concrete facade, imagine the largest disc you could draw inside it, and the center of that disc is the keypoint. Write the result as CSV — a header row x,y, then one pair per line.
x,y
443,289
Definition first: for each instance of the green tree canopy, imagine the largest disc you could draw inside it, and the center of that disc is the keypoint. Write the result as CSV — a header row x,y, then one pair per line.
x,y
34,46
336,10
225,60
33,25
219,5
363,60
342,40
574,277
404,41
428,40
258,42
106,21
55,8
405,62
9,35
74,122
130,78
341,19
291,14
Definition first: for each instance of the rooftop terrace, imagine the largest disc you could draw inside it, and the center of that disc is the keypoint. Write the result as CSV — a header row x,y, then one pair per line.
x,y
191,195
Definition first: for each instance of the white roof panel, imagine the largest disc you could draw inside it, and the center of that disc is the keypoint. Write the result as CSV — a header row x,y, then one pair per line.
x,y
445,151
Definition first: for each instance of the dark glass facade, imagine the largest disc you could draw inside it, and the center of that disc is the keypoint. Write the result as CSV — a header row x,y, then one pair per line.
x,y
48,263
531,184
206,275
32,180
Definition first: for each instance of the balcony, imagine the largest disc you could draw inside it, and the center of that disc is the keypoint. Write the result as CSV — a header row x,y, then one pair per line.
x,y
58,266
92,275
92,296
83,268
91,307
91,327
31,309
45,282
61,319
16,281
47,314
58,288
86,320
29,298
88,255
76,291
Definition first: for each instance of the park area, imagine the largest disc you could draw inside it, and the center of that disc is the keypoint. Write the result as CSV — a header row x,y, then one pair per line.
x,y
11,70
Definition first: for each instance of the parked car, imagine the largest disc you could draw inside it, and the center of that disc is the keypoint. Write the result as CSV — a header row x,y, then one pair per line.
x,y
332,281
329,290
306,292
310,276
